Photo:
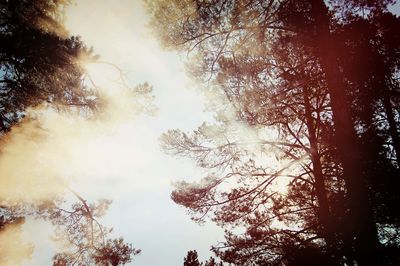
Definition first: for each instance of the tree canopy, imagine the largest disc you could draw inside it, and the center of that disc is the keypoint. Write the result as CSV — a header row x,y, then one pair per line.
x,y
41,64
191,259
309,93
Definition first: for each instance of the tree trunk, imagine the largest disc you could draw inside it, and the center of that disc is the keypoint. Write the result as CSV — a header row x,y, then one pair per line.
x,y
325,216
392,126
362,221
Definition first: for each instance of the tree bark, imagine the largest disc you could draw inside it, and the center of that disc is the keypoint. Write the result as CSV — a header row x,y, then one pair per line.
x,y
324,212
362,222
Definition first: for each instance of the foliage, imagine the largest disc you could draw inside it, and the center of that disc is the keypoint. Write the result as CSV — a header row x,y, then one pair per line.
x,y
313,87
41,63
30,74
191,259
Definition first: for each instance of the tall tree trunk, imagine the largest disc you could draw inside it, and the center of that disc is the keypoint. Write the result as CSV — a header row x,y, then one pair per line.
x,y
325,216
392,125
362,220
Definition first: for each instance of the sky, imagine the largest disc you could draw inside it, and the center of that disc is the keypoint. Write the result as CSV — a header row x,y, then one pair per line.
x,y
122,157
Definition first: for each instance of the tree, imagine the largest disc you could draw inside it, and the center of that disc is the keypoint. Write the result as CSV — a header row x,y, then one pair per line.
x,y
276,64
211,262
87,239
41,64
30,74
249,111
191,259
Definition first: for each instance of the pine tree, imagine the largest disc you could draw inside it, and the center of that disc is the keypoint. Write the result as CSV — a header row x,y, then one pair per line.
x,y
291,69
191,259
